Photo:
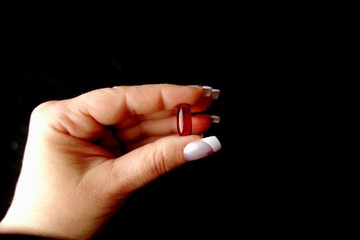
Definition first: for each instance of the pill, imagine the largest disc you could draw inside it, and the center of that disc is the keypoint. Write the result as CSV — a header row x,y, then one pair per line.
x,y
183,119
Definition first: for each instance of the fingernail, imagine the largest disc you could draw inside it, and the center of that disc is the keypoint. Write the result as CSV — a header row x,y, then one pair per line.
x,y
215,93
201,148
207,90
213,118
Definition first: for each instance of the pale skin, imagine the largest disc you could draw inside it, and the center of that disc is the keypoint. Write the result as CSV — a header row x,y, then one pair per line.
x,y
86,155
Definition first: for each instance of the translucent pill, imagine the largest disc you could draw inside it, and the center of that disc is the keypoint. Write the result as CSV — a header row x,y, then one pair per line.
x,y
183,118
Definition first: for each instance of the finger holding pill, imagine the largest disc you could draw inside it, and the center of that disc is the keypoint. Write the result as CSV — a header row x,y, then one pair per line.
x,y
184,114
184,121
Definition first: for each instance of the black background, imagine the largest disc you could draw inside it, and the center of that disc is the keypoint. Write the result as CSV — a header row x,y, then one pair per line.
x,y
56,65
253,185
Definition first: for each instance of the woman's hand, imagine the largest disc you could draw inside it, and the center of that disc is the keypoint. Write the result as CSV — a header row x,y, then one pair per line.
x,y
86,155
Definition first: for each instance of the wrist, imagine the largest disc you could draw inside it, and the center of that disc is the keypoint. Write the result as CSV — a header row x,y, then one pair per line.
x,y
20,226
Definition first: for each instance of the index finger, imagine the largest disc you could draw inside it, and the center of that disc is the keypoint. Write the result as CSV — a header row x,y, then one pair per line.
x,y
109,106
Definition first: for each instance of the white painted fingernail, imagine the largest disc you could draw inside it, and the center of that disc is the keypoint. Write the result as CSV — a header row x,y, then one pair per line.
x,y
201,148
215,93
214,119
207,90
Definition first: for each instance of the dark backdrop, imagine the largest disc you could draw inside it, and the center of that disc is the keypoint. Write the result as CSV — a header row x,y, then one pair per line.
x,y
253,185
196,197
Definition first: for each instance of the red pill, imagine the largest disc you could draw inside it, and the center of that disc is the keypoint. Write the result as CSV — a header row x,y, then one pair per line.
x,y
183,118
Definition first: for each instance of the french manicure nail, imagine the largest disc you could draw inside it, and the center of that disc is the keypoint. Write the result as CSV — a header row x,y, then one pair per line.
x,y
215,93
214,119
201,148
207,90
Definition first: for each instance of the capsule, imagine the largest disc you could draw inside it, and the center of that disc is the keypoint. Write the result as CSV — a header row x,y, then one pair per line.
x,y
183,119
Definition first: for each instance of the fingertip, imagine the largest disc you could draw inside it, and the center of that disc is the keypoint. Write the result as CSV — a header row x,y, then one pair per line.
x,y
201,148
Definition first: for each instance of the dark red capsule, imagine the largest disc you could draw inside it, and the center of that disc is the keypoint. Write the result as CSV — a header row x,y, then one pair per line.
x,y
183,119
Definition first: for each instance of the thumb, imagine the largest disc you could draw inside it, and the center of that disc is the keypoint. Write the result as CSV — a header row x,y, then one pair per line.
x,y
143,165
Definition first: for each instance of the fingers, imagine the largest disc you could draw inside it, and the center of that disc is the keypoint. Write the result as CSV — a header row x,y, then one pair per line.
x,y
84,116
109,106
162,127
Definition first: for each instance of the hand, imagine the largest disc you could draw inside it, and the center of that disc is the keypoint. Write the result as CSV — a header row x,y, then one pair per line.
x,y
86,155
